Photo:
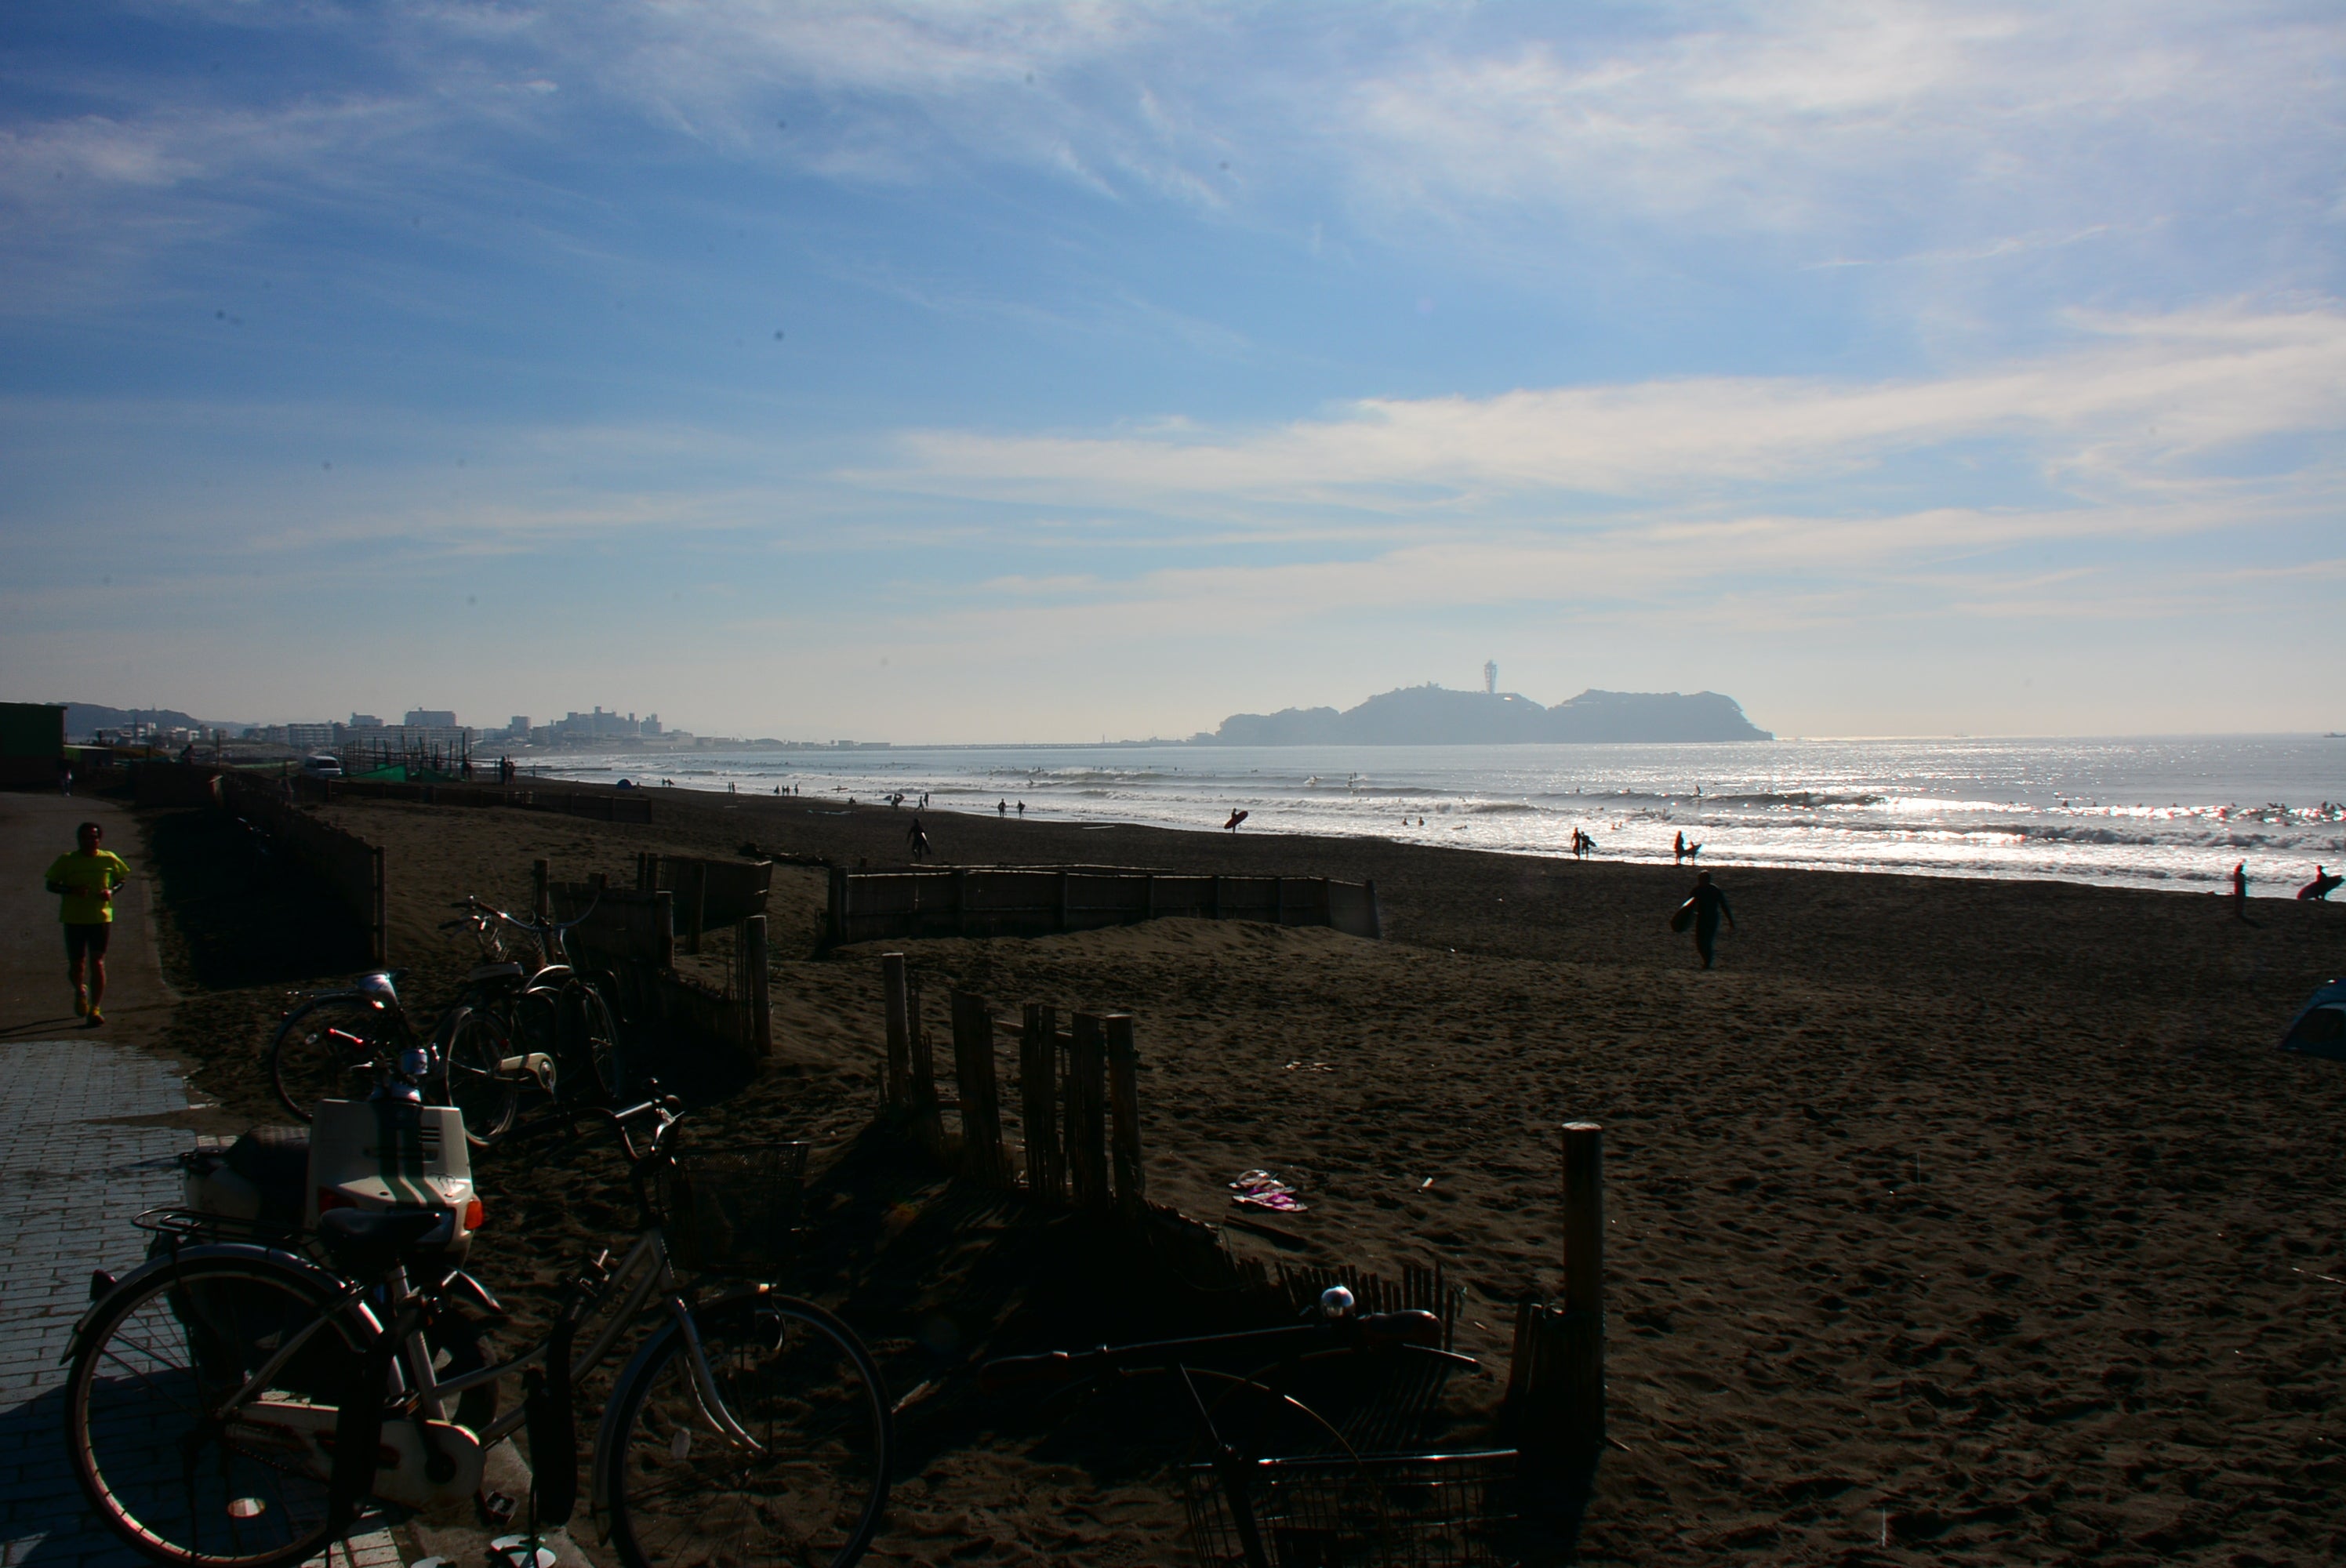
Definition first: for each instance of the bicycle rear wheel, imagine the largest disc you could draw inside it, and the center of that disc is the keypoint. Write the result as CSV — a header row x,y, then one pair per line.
x,y
474,1062
684,1495
307,1064
166,1469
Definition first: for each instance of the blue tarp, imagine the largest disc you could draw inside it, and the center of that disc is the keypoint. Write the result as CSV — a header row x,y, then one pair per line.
x,y
2321,1029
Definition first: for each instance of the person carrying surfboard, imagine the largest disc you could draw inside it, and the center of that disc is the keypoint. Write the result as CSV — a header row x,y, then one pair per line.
x,y
1703,910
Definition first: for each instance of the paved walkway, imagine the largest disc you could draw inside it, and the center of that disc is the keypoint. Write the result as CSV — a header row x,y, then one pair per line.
x,y
78,1160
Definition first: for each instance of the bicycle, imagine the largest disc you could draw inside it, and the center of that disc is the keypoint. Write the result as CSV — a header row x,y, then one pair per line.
x,y
1281,1484
554,1008
339,1044
235,1405
493,1044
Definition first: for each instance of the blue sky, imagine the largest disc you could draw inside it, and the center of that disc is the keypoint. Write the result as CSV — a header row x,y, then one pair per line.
x,y
1044,372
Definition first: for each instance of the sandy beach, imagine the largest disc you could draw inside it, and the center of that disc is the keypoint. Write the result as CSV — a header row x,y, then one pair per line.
x,y
1983,1217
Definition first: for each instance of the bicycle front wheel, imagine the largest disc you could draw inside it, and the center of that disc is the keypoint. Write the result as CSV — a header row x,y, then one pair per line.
x,y
307,1064
166,1462
474,1064
684,1493
600,1031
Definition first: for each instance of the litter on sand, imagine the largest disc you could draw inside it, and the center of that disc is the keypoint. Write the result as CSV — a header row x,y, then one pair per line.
x,y
1310,1066
1260,1189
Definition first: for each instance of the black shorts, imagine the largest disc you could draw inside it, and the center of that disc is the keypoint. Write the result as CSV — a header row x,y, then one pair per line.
x,y
88,939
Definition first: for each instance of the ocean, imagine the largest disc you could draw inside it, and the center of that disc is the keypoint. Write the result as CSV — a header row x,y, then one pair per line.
x,y
2162,811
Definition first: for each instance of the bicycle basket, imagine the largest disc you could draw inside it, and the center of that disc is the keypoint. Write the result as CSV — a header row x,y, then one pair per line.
x,y
732,1211
1384,1511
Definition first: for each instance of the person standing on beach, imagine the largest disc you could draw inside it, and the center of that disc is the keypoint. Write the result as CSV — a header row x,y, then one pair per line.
x,y
1677,849
84,880
916,839
1707,904
2241,891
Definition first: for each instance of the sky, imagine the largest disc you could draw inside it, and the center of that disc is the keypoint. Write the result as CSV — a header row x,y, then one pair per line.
x,y
999,372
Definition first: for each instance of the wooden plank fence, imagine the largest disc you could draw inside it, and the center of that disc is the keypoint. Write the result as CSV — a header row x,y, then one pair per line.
x,y
631,934
707,894
1021,901
602,806
1078,1096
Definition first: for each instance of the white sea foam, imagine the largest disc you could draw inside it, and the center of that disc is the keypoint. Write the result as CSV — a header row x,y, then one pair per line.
x,y
2174,812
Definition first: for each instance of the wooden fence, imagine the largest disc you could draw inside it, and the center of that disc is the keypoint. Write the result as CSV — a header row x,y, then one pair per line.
x,y
350,866
613,806
1078,1096
630,933
1006,900
707,894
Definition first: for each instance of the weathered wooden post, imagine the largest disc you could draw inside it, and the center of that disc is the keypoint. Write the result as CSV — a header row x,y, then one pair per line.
x,y
753,960
1059,913
961,901
896,1003
695,901
379,939
1581,1387
664,926
1376,921
836,915
1087,1119
980,1106
1038,1088
541,902
927,1124
1124,1103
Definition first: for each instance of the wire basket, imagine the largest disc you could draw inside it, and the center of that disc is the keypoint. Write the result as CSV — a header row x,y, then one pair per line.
x,y
732,1211
1382,1510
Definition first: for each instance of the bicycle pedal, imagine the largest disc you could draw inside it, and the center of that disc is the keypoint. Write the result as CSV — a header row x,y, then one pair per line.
x,y
499,1509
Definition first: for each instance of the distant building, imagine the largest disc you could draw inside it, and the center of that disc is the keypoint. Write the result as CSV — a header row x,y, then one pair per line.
x,y
319,737
1491,677
365,722
518,727
431,719
601,726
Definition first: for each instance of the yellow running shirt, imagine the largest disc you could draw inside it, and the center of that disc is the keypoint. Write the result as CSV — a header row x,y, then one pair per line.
x,y
86,874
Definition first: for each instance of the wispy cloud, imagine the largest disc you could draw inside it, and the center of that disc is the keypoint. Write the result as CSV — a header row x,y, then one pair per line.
x,y
2130,399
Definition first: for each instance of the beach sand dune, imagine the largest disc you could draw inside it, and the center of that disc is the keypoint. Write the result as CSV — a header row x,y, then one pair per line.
x,y
1988,1208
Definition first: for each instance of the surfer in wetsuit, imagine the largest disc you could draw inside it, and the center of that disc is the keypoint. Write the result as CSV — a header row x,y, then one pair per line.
x,y
1707,905
2241,891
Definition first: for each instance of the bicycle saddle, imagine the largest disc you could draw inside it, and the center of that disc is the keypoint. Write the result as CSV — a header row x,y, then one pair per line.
x,y
366,1243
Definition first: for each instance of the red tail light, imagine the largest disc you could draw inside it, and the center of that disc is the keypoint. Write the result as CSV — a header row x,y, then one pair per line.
x,y
475,1211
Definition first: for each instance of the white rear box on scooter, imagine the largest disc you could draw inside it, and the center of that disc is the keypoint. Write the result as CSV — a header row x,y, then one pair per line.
x,y
394,1153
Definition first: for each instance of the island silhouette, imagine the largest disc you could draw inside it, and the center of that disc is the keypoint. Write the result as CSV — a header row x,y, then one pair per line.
x,y
1432,715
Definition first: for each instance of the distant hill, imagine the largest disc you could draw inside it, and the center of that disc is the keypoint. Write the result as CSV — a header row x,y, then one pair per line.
x,y
1435,715
83,717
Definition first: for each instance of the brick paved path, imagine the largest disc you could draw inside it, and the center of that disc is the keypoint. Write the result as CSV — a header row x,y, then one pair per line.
x,y
72,1175
69,1182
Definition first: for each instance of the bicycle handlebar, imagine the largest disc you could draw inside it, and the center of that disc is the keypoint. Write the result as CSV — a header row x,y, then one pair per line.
x,y
550,928
568,1118
1373,1330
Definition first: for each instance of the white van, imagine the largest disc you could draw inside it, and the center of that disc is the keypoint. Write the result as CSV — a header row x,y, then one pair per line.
x,y
322,767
